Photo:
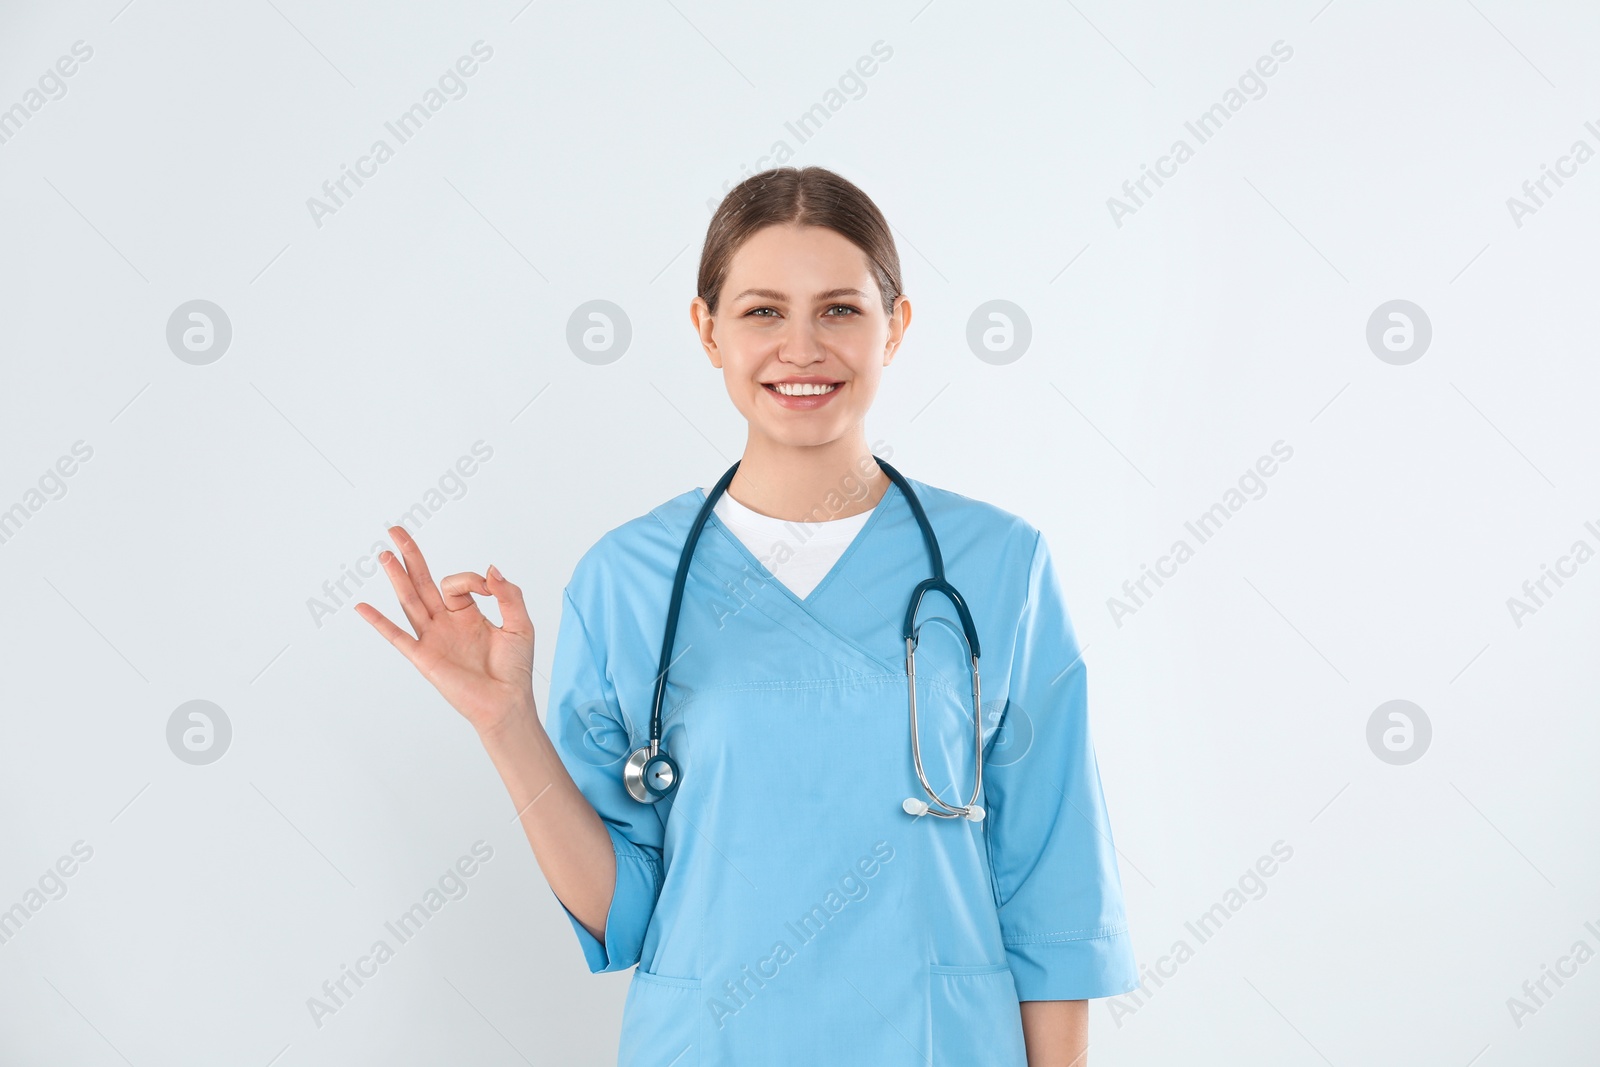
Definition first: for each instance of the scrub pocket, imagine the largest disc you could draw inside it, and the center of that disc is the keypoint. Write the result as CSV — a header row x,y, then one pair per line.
x,y
976,1016
660,1022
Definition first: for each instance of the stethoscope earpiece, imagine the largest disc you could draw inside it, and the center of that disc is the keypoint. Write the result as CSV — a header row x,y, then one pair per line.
x,y
913,806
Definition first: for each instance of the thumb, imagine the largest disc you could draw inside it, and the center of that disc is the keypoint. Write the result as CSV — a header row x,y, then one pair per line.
x,y
457,590
513,612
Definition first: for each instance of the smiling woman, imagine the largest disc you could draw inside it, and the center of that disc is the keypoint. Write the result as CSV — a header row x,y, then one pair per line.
x,y
704,771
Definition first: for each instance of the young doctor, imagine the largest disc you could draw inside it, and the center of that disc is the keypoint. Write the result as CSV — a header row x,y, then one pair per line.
x,y
740,786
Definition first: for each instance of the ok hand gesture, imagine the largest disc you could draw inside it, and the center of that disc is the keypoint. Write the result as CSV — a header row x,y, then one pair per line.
x,y
483,670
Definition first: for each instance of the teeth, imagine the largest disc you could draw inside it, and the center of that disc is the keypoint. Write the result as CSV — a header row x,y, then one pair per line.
x,y
803,388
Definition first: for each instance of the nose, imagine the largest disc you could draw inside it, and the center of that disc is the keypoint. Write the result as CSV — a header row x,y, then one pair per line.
x,y
801,344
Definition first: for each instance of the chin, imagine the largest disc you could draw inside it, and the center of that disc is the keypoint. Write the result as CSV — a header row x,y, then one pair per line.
x,y
803,437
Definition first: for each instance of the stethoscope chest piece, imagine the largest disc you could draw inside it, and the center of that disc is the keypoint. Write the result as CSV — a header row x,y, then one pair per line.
x,y
650,778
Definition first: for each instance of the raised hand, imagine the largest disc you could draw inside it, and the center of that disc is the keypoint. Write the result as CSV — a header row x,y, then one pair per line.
x,y
485,671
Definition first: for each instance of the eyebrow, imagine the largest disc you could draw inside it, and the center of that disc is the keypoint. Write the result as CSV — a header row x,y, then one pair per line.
x,y
773,294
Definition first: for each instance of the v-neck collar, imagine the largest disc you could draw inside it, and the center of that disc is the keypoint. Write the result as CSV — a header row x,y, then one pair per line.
x,y
809,601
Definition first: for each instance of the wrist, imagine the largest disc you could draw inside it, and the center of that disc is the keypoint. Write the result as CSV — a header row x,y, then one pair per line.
x,y
517,721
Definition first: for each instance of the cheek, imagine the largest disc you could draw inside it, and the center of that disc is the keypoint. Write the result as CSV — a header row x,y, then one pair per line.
x,y
866,391
866,366
743,349
742,388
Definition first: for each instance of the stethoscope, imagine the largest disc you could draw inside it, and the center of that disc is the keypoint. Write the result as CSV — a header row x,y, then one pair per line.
x,y
651,774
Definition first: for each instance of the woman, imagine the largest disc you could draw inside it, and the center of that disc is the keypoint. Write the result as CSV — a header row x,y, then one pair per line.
x,y
790,891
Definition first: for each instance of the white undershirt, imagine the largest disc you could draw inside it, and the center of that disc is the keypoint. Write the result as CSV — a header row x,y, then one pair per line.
x,y
799,554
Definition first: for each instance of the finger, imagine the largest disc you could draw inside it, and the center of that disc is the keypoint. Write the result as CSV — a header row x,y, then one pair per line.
x,y
513,612
391,633
458,590
417,569
405,590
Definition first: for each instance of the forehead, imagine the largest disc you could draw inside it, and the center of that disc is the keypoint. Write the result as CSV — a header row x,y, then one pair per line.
x,y
807,257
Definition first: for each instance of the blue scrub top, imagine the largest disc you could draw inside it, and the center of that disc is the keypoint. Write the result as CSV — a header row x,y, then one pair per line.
x,y
781,906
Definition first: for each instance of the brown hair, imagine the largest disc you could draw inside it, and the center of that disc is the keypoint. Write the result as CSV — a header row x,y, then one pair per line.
x,y
809,196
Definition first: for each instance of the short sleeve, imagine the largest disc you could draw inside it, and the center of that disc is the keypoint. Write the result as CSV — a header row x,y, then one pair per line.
x,y
590,734
1050,845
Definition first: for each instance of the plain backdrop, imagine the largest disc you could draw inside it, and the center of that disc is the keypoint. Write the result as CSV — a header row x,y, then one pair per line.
x,y
1171,343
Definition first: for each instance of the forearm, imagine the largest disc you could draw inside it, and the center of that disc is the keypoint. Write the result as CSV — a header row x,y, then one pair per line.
x,y
1056,1032
569,841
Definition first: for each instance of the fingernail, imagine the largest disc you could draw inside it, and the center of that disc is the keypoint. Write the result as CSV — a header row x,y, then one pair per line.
x,y
494,572
385,556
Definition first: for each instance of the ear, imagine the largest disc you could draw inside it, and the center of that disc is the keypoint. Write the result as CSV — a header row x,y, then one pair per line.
x,y
704,324
899,319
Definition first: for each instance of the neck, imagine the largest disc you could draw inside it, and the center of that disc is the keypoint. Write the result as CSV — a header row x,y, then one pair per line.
x,y
808,483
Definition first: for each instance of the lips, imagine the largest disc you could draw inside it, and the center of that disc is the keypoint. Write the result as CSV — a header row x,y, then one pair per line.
x,y
806,395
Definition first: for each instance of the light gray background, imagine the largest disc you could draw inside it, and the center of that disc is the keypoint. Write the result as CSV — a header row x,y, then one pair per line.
x,y
1168,353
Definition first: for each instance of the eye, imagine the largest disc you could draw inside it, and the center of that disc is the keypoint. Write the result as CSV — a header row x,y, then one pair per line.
x,y
753,311
846,307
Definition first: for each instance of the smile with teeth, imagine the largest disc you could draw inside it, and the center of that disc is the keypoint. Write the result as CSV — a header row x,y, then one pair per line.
x,y
802,388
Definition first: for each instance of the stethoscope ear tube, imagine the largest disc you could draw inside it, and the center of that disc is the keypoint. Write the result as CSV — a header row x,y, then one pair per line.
x,y
939,584
644,787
